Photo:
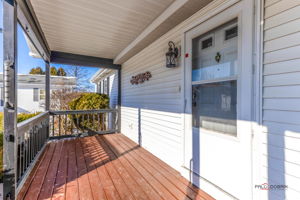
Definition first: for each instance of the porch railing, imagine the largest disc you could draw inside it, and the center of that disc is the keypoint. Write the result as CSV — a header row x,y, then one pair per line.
x,y
79,122
32,134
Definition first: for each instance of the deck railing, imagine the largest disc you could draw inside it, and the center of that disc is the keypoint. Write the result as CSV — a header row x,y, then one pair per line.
x,y
32,135
79,122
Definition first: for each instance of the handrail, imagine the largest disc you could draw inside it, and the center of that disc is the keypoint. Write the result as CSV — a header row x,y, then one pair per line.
x,y
31,121
32,135
70,123
72,112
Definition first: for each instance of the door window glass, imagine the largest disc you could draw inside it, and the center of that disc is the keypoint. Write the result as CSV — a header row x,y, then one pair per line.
x,y
218,61
214,106
214,80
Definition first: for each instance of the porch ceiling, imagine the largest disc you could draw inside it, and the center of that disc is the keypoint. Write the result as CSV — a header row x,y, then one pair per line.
x,y
114,29
97,28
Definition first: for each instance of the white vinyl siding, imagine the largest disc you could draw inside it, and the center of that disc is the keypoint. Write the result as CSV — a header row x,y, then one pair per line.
x,y
281,97
110,87
153,109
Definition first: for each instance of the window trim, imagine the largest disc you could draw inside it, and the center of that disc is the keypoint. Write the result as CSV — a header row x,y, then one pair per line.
x,y
229,78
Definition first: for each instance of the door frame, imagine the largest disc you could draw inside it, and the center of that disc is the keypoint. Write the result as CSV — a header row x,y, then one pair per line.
x,y
244,11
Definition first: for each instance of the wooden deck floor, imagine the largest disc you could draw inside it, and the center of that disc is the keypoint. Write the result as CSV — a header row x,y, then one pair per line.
x,y
105,167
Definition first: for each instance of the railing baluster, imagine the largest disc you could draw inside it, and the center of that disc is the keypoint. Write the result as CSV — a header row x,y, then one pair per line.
x,y
19,160
23,153
106,119
77,121
103,122
59,133
53,122
65,124
71,127
98,126
93,123
25,150
30,145
88,121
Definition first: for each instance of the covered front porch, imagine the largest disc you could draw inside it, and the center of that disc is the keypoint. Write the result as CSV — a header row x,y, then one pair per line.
x,y
109,166
53,155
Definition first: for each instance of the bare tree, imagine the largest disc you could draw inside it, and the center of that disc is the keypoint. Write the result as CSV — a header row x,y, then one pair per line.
x,y
82,78
60,98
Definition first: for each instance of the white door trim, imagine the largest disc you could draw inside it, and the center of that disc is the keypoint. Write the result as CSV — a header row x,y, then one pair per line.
x,y
245,16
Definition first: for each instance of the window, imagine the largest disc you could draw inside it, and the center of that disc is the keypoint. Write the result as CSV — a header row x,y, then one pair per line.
x,y
231,33
214,82
207,43
42,95
35,94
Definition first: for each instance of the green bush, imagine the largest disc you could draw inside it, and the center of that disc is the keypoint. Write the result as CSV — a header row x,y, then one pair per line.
x,y
1,122
89,101
24,116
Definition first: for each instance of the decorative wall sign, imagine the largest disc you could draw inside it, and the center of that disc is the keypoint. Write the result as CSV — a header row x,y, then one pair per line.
x,y
140,78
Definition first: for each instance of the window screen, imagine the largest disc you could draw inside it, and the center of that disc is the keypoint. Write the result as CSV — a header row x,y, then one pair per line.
x,y
35,94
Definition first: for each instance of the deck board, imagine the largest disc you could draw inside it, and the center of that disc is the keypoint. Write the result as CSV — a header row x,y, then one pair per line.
x,y
105,167
72,191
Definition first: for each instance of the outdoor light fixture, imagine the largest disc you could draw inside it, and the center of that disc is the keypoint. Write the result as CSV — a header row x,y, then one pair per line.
x,y
171,55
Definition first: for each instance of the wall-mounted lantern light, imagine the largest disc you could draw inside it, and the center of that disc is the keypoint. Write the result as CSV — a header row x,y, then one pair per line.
x,y
171,55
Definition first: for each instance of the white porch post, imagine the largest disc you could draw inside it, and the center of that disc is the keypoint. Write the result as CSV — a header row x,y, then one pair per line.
x,y
10,97
119,100
47,93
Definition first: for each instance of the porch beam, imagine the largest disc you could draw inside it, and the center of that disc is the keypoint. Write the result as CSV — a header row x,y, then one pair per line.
x,y
10,97
81,60
31,26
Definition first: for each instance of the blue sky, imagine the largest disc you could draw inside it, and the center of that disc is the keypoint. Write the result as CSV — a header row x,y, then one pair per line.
x,y
26,62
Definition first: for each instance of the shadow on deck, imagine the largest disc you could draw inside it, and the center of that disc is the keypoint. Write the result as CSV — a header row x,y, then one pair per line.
x,y
105,167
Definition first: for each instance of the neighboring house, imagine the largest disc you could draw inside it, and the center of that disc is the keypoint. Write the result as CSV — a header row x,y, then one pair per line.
x,y
31,90
106,82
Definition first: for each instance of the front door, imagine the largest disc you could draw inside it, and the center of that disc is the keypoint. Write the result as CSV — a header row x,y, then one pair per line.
x,y
217,140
